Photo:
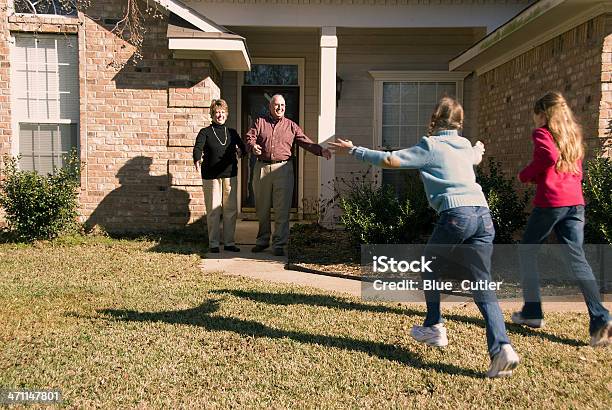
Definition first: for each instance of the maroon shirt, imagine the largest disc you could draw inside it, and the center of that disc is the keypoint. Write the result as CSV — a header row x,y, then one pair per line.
x,y
276,138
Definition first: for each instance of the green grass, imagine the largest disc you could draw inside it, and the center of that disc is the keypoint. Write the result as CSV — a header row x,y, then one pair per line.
x,y
121,324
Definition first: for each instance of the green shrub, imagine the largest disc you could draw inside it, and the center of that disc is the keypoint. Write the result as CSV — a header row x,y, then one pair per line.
x,y
598,194
506,205
375,215
40,207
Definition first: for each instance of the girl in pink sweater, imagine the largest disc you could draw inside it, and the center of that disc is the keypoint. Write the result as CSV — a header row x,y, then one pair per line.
x,y
556,169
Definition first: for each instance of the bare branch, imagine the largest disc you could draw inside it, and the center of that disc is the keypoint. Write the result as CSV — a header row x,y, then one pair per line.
x,y
131,26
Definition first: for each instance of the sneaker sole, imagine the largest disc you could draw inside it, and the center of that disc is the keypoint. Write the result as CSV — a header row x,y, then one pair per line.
x,y
439,345
430,343
506,371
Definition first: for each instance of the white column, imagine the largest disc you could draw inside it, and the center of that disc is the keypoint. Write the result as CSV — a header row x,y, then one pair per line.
x,y
327,113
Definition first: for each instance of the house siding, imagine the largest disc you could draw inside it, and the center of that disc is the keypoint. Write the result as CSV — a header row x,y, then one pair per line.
x,y
570,63
363,50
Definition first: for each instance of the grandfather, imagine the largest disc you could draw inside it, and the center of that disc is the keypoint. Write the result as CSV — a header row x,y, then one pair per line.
x,y
270,139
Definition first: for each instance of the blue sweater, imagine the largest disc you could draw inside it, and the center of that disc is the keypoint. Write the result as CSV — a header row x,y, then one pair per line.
x,y
446,163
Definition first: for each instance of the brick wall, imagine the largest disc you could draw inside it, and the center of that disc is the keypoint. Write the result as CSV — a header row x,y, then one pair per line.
x,y
138,123
5,90
605,107
570,63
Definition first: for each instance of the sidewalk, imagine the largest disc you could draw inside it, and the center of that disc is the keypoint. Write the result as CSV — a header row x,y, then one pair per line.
x,y
265,266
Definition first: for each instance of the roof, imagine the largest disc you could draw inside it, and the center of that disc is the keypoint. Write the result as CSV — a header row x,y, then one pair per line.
x,y
192,35
536,24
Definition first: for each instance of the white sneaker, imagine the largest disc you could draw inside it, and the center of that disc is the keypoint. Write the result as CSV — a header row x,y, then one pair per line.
x,y
432,335
503,363
517,317
602,336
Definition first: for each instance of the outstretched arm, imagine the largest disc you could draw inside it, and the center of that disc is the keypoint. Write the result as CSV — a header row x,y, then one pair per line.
x,y
303,141
415,157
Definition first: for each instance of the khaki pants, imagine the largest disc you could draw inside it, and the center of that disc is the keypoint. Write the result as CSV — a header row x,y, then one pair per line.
x,y
220,194
273,186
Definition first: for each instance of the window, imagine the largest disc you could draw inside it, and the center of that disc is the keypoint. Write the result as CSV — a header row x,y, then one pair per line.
x,y
404,101
272,74
55,7
45,101
406,110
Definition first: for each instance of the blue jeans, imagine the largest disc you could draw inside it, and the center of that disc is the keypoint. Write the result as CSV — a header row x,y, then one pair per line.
x,y
471,227
568,224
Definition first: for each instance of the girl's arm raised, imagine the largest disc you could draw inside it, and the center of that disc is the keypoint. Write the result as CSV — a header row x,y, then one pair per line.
x,y
477,152
544,156
416,156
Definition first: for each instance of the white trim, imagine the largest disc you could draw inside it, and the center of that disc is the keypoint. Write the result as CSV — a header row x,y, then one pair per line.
x,y
226,54
418,75
14,119
84,147
55,16
206,44
328,67
46,121
301,63
563,27
188,14
381,77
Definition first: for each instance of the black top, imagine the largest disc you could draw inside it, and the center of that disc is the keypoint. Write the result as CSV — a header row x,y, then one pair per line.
x,y
218,159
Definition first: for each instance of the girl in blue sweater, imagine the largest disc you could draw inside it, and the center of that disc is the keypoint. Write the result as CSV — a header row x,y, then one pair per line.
x,y
446,162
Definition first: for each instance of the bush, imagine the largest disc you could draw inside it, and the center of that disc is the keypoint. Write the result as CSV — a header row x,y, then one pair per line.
x,y
506,205
598,194
375,215
40,207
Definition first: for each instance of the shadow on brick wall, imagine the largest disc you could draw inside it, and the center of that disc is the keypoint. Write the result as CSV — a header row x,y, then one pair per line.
x,y
142,203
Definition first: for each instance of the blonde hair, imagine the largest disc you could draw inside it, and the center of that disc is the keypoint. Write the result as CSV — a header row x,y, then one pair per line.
x,y
448,115
216,105
566,132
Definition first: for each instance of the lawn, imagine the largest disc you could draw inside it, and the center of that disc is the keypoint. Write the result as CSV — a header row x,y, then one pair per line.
x,y
123,324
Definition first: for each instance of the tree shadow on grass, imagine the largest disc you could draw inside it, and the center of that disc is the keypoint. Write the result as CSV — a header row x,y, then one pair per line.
x,y
202,316
286,299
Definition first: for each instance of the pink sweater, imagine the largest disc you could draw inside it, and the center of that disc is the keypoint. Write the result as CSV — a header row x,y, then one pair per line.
x,y
554,189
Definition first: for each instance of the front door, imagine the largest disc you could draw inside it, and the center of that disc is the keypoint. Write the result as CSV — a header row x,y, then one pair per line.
x,y
255,101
